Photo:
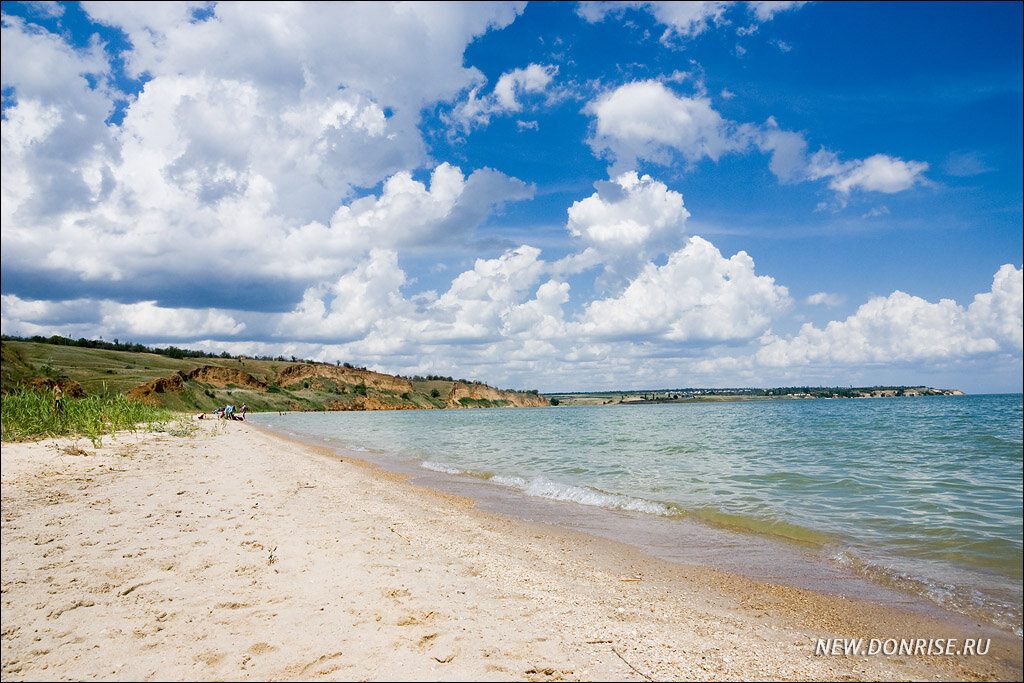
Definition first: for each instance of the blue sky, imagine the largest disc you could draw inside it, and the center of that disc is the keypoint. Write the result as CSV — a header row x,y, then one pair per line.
x,y
562,196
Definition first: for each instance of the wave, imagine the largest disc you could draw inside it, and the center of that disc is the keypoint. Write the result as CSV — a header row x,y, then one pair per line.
x,y
966,600
541,487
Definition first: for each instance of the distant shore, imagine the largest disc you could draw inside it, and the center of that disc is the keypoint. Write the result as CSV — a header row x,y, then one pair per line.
x,y
650,397
224,552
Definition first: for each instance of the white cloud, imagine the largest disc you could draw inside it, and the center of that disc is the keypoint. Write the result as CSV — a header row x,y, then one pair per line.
x,y
696,296
877,173
765,10
906,328
46,8
229,168
55,140
540,318
632,213
998,312
684,20
479,300
827,299
788,150
533,79
644,120
225,127
507,96
406,215
146,318
111,319
401,55
350,308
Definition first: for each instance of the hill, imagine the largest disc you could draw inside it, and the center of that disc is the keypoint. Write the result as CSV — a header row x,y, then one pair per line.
x,y
201,383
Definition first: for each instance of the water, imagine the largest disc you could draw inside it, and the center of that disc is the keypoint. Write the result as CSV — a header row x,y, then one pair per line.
x,y
923,495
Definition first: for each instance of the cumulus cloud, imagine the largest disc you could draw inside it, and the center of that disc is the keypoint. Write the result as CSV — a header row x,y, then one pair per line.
x,y
906,328
352,306
370,48
232,154
479,301
644,120
877,173
406,215
630,212
696,296
93,319
997,313
623,225
506,97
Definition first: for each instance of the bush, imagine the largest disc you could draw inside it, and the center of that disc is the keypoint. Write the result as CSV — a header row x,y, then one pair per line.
x,y
434,393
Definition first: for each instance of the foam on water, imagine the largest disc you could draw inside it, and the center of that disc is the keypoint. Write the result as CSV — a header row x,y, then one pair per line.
x,y
441,467
581,495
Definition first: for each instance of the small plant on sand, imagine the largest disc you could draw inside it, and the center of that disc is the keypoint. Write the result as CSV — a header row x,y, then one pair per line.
x,y
183,428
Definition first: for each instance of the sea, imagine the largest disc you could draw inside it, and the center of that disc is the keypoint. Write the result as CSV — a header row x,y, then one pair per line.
x,y
908,500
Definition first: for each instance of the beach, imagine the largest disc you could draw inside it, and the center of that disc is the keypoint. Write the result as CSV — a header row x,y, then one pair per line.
x,y
220,551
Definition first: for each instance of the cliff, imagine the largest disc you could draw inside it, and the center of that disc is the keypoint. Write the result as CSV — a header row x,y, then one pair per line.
x,y
294,374
477,395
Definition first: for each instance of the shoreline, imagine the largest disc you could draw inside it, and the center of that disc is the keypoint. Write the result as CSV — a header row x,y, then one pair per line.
x,y
239,553
765,559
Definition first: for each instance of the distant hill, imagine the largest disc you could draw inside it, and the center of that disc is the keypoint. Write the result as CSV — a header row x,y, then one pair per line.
x,y
188,381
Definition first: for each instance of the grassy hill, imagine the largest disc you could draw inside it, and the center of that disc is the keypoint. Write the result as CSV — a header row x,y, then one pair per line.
x,y
204,384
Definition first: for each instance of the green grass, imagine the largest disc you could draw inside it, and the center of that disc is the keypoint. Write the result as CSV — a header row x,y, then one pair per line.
x,y
27,415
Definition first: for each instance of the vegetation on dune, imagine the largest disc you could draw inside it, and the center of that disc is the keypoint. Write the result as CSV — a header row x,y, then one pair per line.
x,y
27,414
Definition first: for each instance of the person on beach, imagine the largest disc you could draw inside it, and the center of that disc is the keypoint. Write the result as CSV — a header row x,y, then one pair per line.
x,y
241,413
58,399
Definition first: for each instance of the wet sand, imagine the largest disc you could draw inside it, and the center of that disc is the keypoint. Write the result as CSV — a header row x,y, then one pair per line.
x,y
232,553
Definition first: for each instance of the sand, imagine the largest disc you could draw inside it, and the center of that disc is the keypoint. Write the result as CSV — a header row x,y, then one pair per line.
x,y
231,553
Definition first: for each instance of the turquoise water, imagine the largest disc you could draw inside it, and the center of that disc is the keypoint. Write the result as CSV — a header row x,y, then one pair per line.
x,y
924,494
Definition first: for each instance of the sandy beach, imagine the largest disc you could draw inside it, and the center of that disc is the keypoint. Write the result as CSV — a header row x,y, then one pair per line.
x,y
229,553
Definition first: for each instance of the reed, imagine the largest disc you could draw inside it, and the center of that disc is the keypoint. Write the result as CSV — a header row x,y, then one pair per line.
x,y
26,415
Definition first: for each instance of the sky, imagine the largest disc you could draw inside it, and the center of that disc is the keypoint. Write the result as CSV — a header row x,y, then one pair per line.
x,y
554,196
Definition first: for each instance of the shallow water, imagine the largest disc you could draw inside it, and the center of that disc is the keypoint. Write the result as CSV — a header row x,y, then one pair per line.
x,y
920,494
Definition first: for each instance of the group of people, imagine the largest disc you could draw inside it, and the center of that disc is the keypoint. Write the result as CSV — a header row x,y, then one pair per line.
x,y
227,413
